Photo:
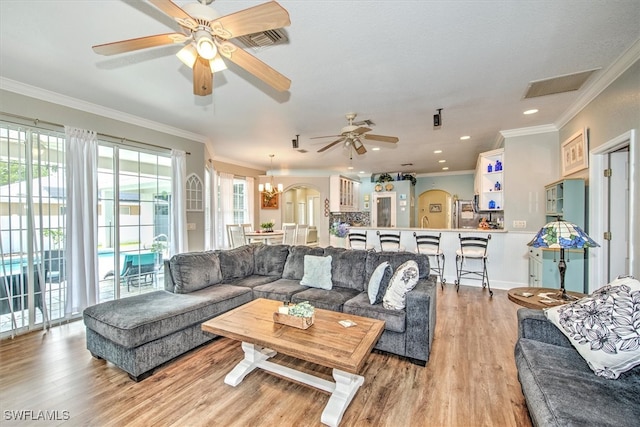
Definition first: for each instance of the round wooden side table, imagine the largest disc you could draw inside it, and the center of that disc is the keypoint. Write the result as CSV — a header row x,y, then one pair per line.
x,y
517,295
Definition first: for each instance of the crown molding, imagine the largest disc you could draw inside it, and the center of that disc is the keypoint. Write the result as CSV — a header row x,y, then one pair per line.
x,y
533,130
67,101
615,70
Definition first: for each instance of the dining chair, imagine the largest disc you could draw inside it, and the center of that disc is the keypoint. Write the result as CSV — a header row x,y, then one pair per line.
x,y
429,244
289,234
312,236
389,242
473,248
235,232
301,234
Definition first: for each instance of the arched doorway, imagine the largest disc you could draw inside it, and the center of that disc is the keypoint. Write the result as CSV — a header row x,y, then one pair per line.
x,y
434,209
301,205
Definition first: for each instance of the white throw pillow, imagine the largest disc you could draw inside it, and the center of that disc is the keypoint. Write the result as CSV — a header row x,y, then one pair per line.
x,y
404,279
375,280
317,272
604,327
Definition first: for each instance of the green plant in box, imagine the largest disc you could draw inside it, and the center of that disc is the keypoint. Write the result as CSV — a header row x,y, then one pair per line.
x,y
301,309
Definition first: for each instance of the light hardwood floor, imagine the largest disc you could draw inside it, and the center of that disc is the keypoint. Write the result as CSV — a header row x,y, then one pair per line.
x,y
470,380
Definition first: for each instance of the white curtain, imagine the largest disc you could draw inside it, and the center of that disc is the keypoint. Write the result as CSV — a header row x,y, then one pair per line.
x,y
82,219
211,198
226,208
251,197
179,238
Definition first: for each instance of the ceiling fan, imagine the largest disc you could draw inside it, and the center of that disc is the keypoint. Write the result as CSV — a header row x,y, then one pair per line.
x,y
207,35
352,133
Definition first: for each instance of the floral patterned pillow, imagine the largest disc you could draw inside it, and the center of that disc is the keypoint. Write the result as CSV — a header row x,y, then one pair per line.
x,y
604,327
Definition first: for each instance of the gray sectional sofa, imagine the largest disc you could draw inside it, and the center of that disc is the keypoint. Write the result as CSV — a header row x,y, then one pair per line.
x,y
142,332
559,387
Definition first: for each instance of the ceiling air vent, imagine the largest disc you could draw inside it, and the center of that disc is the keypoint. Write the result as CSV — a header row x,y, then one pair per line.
x,y
560,84
264,39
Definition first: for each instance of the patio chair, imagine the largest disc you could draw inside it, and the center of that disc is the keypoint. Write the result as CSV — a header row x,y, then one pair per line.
x,y
138,268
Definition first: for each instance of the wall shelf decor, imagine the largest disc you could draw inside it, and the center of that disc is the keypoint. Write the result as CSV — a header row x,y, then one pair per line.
x,y
194,193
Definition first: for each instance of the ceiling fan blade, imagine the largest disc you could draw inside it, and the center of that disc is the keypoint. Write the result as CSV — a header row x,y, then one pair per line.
x,y
254,66
381,138
202,77
139,43
326,147
174,11
359,147
266,16
361,130
326,136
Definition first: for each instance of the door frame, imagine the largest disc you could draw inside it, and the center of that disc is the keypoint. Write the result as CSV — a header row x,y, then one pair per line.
x,y
597,208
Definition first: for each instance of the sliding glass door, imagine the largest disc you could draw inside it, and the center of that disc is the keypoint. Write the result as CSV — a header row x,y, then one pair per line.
x,y
133,224
133,230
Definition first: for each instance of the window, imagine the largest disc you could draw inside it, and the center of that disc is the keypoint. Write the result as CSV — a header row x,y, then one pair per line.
x,y
232,205
239,201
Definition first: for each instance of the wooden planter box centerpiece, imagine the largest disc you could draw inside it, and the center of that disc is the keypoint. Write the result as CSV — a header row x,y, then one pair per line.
x,y
299,315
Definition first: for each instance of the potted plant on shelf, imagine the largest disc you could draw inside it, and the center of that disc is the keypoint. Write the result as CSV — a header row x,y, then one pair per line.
x,y
385,177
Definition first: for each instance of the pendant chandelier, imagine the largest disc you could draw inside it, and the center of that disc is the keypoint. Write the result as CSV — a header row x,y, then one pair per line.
x,y
269,189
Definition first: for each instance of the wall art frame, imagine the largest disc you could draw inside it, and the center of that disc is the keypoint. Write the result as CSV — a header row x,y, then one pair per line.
x,y
267,202
575,153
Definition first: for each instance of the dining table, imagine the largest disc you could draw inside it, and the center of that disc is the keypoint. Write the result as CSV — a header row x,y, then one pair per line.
x,y
264,237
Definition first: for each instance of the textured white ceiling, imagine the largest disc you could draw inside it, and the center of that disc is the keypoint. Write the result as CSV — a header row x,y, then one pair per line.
x,y
393,62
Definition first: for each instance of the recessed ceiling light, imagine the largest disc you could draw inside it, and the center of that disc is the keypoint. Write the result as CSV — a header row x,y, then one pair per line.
x,y
464,138
445,168
362,172
532,111
442,161
375,149
437,152
350,167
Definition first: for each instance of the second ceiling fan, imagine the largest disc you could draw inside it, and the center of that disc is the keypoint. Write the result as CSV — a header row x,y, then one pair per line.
x,y
351,135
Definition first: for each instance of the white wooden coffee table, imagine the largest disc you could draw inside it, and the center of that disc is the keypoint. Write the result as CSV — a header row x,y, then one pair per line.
x,y
325,343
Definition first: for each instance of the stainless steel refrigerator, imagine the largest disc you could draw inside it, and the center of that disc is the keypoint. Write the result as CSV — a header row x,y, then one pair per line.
x,y
465,214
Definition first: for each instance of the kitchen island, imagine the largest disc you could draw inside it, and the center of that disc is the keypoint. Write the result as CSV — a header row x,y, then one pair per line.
x,y
508,254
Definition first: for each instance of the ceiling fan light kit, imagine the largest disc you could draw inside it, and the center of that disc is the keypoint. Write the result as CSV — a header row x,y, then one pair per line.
x,y
351,134
204,45
188,55
208,35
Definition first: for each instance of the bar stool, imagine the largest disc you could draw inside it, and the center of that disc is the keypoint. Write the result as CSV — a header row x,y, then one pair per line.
x,y
389,242
358,240
473,248
429,244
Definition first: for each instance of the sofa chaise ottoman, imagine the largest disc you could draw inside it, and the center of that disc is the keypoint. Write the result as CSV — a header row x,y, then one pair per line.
x,y
142,332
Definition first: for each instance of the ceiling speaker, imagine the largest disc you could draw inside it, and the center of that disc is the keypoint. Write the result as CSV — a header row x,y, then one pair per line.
x,y
437,118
